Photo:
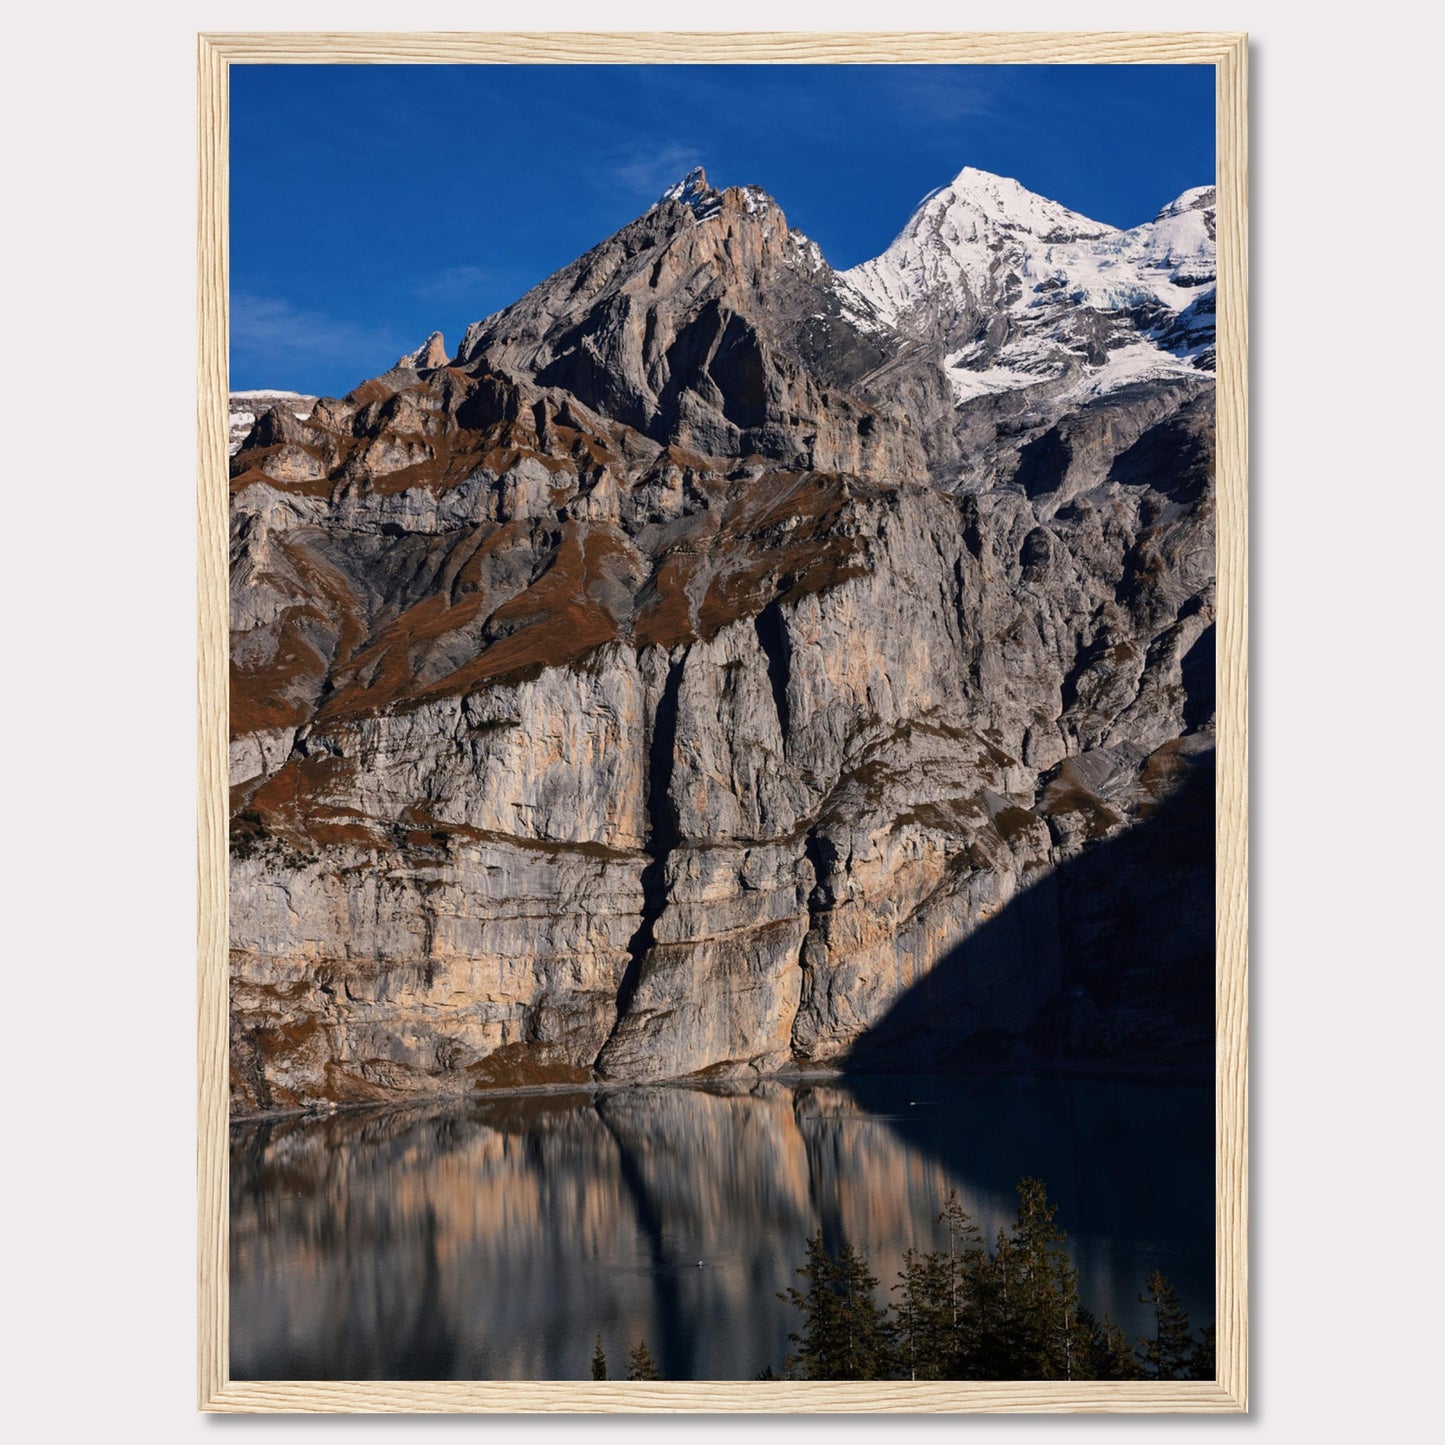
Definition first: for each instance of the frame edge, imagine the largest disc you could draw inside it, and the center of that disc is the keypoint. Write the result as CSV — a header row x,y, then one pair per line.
x,y
1232,801
1228,51
719,1397
717,47
212,318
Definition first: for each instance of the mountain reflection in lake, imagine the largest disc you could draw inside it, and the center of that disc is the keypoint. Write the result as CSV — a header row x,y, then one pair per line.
x,y
497,1239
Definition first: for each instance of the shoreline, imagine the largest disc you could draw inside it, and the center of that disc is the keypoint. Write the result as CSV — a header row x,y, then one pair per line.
x,y
595,1088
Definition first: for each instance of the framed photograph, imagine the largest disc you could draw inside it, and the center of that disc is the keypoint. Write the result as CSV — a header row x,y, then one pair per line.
x,y
722,744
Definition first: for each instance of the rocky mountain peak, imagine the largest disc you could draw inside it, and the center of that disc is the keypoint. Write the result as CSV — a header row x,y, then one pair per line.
x,y
693,192
706,201
706,323
431,354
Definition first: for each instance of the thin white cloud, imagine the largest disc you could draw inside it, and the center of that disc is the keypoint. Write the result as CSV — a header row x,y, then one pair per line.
x,y
266,327
451,281
647,172
933,94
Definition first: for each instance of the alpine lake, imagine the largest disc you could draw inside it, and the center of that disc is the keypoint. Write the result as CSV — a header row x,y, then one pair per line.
x,y
501,1237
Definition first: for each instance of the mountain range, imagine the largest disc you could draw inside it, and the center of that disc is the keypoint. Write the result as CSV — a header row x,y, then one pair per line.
x,y
721,664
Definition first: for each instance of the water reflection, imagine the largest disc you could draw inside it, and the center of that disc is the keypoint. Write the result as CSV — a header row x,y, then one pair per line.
x,y
498,1238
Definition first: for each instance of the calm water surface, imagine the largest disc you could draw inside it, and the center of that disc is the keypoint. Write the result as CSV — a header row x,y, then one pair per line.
x,y
497,1239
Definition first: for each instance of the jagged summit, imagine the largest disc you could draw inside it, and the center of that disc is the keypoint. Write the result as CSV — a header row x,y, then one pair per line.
x,y
706,201
428,356
693,192
707,323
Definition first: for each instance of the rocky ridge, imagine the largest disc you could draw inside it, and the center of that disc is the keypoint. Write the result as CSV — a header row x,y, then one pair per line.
x,y
246,406
688,677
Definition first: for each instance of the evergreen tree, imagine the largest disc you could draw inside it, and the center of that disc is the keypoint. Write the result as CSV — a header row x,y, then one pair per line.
x,y
1028,1298
1104,1351
1170,1354
922,1337
1011,1312
1201,1358
936,1317
640,1364
994,1291
960,1271
1047,1288
599,1361
845,1334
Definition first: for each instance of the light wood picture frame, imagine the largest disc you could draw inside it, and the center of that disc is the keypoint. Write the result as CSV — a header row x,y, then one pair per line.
x,y
1228,54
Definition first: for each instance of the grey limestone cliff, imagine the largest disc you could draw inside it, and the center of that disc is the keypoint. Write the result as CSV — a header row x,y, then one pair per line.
x,y
692,676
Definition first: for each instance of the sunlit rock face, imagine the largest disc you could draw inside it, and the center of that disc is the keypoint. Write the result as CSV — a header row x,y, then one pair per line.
x,y
692,675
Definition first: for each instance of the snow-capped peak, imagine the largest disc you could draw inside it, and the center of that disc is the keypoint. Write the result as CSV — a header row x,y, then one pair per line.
x,y
1179,241
1006,202
1022,291
962,239
1197,198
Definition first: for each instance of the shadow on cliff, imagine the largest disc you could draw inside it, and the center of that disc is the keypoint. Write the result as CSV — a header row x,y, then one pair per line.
x,y
1106,965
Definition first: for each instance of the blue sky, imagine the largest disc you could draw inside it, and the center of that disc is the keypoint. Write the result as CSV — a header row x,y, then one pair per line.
x,y
371,205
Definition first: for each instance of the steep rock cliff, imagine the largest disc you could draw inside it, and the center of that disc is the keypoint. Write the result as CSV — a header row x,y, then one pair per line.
x,y
690,676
